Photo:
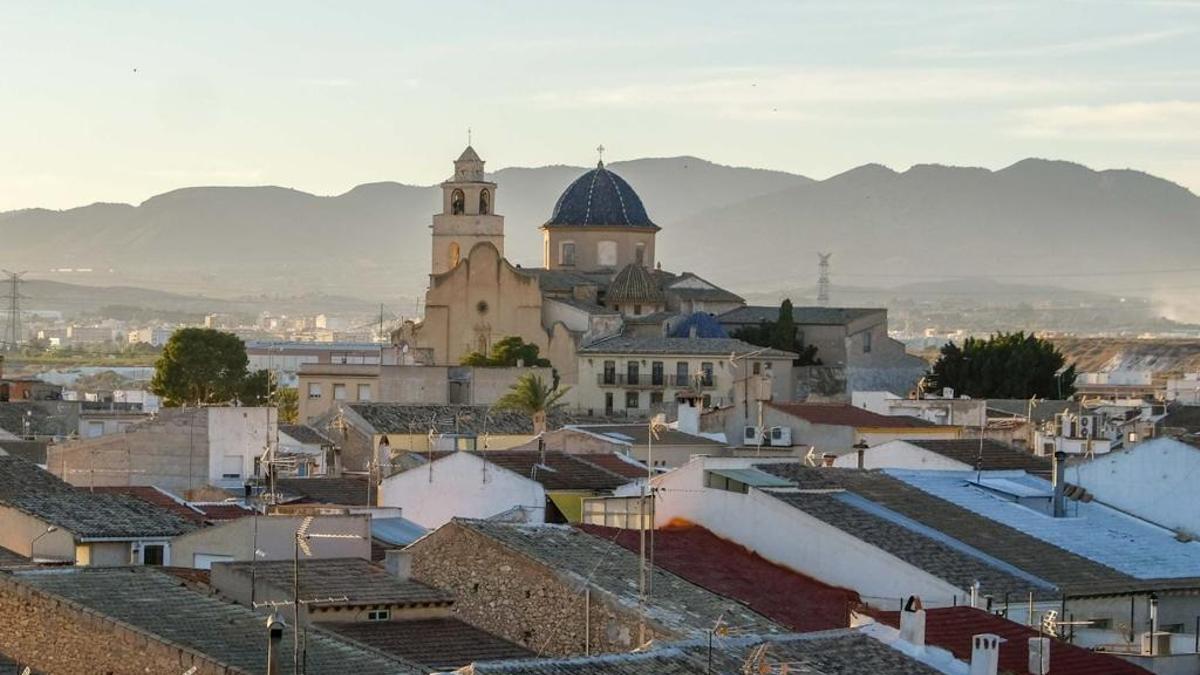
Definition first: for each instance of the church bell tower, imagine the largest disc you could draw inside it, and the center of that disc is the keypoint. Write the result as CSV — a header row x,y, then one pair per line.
x,y
468,214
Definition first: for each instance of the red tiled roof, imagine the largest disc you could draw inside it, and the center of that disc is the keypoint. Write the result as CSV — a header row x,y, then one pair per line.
x,y
725,568
216,513
843,414
609,461
951,628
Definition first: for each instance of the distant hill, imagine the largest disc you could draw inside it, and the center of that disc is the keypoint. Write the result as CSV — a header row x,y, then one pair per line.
x,y
753,230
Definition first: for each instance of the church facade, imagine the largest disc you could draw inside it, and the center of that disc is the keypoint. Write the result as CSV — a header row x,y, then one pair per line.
x,y
599,281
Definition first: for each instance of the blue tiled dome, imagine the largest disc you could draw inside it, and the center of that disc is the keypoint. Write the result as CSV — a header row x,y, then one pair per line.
x,y
600,198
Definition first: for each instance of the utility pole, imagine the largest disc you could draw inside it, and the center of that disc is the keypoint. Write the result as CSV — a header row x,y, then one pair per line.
x,y
12,335
823,279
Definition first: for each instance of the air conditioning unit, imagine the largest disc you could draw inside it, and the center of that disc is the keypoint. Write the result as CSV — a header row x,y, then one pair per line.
x,y
781,437
753,436
1161,643
1088,426
947,392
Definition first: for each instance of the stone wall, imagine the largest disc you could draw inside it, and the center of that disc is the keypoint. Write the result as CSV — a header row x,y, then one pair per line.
x,y
510,595
54,635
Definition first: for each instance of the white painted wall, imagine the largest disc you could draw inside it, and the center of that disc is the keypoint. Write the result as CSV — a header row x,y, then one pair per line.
x,y
240,432
460,485
790,537
1154,480
900,455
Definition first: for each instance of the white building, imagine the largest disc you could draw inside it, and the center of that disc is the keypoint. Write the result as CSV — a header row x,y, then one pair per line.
x,y
1154,480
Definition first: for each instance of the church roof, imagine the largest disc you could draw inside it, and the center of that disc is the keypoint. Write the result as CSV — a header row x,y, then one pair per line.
x,y
634,284
600,198
469,155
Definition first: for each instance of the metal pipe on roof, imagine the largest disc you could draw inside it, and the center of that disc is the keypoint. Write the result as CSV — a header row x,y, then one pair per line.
x,y
1060,480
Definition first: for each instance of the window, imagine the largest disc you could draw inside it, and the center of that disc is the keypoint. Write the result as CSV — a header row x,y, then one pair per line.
x,y
455,254
606,254
681,374
631,372
656,398
706,402
231,467
257,466
867,342
639,254
566,254
154,554
314,390
610,372
631,399
95,428
339,392
637,310
485,202
719,482
457,200
608,403
757,369
706,370
364,392
379,615
656,373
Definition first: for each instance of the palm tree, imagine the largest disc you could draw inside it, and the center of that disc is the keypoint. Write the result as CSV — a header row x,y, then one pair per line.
x,y
530,395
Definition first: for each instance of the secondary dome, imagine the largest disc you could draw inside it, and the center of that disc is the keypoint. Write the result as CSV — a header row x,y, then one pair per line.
x,y
599,198
634,284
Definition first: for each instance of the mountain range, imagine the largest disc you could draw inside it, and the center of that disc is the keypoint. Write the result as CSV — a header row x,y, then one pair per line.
x,y
748,229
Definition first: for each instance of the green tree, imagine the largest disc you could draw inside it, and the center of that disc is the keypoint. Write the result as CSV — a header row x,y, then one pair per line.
x,y
508,352
255,388
530,395
1006,365
200,366
287,402
781,334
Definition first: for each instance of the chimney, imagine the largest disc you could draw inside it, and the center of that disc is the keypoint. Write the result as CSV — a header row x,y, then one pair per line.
x,y
688,415
828,458
985,654
1039,655
1060,481
275,626
398,563
912,622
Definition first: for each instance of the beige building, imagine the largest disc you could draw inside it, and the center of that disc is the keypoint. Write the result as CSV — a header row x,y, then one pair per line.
x,y
273,538
637,377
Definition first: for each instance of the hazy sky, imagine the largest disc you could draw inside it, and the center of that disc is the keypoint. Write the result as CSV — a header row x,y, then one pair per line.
x,y
118,101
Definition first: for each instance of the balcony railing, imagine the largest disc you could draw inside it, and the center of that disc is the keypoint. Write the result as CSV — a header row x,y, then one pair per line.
x,y
650,381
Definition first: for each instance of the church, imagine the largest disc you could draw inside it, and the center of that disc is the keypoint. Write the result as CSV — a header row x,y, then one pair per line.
x,y
599,279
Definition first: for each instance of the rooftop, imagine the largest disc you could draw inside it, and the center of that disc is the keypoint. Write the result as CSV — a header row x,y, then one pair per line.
x,y
688,286
717,347
639,434
1091,530
163,606
302,433
403,418
44,418
811,316
844,414
443,643
1044,411
30,451
555,470
30,489
359,581
599,198
634,284
677,605
995,455
723,567
344,491
952,628
844,652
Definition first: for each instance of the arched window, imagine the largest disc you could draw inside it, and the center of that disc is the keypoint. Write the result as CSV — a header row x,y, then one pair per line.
x,y
457,201
455,254
639,253
485,202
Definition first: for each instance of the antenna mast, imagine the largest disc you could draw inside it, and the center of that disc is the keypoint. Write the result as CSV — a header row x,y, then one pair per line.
x,y
12,335
823,279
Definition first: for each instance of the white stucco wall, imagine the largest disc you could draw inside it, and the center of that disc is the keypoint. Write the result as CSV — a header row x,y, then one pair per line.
x,y
460,485
241,432
900,455
1154,480
790,537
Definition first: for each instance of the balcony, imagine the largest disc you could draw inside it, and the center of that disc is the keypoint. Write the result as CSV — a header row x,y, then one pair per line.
x,y
649,381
